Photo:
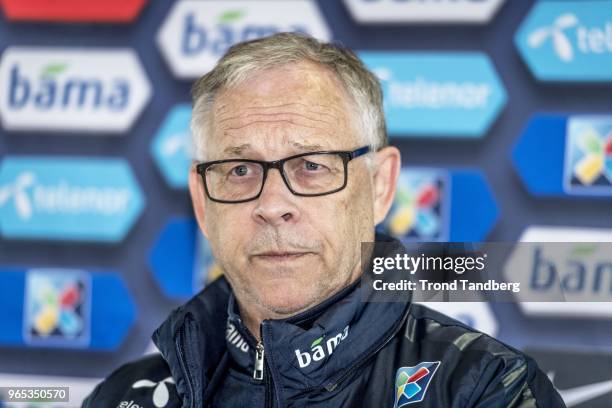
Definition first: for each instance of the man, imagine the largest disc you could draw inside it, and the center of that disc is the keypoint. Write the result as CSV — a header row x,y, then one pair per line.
x,y
293,174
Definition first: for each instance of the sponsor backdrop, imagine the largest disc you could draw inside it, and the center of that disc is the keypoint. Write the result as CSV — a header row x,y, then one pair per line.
x,y
502,111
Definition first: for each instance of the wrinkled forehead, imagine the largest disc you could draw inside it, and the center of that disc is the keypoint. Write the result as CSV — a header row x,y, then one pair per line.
x,y
297,105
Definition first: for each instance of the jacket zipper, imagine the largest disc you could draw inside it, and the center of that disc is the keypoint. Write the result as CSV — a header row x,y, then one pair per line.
x,y
259,362
268,395
261,370
262,373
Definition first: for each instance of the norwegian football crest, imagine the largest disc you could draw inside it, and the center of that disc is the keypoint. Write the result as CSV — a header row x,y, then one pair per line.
x,y
411,382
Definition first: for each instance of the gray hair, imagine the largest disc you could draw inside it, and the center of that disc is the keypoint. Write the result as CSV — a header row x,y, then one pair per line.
x,y
246,58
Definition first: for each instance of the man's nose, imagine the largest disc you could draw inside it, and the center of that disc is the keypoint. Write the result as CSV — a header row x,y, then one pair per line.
x,y
276,204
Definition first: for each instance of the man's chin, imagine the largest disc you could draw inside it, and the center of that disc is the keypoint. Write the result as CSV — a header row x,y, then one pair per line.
x,y
282,305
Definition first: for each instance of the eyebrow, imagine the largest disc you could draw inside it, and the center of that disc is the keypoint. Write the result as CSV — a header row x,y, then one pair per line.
x,y
240,149
307,147
237,150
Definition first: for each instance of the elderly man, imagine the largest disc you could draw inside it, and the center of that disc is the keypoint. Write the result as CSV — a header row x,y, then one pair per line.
x,y
294,173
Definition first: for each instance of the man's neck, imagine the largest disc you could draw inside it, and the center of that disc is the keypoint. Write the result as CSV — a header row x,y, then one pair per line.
x,y
253,314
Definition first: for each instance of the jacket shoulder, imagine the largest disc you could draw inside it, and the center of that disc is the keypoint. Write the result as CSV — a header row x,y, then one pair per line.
x,y
138,383
431,325
502,374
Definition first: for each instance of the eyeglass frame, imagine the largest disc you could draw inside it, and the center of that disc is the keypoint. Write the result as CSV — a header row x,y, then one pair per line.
x,y
346,155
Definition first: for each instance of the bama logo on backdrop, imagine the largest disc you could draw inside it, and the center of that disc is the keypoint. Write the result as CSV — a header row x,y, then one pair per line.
x,y
62,198
196,33
567,271
422,97
568,41
423,11
71,89
411,383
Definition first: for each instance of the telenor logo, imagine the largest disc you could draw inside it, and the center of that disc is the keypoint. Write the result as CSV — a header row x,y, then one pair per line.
x,y
568,40
197,33
422,97
320,348
161,394
171,147
54,89
67,198
17,191
555,33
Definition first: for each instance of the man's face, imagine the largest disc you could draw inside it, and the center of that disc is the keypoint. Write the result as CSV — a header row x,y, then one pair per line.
x,y
284,253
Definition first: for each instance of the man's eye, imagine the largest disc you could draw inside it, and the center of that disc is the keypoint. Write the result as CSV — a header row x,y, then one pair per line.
x,y
241,170
308,165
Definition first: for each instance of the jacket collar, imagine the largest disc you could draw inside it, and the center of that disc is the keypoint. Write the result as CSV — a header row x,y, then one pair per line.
x,y
316,348
192,341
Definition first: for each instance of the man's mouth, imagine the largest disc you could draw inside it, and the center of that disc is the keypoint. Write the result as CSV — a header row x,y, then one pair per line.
x,y
280,256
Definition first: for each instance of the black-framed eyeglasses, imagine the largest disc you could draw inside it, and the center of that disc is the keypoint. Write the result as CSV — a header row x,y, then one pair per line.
x,y
308,174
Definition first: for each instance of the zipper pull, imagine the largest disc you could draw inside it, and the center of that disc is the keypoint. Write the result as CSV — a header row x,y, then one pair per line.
x,y
259,362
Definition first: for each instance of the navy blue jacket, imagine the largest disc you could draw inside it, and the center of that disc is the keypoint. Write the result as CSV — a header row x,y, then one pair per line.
x,y
343,352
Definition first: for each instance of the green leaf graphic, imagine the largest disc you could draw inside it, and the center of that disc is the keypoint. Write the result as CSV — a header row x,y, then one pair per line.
x,y
54,69
316,342
592,142
403,197
231,16
583,250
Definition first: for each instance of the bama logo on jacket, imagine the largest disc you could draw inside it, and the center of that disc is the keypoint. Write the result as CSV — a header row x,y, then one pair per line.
x,y
320,348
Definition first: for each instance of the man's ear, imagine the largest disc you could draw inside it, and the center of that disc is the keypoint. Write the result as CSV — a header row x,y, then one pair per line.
x,y
198,198
388,163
